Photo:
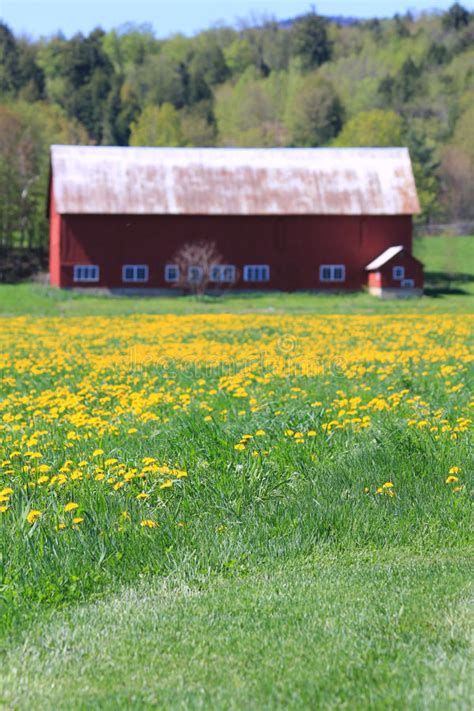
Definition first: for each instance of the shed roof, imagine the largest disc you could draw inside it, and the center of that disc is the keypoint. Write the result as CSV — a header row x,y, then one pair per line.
x,y
383,258
233,181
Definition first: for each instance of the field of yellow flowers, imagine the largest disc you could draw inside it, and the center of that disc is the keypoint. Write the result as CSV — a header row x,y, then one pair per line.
x,y
208,444
130,429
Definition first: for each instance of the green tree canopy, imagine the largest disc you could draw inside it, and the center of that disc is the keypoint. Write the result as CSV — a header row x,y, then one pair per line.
x,y
372,128
310,41
157,126
314,113
456,17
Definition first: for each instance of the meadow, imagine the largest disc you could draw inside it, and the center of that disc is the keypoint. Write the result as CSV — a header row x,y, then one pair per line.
x,y
236,510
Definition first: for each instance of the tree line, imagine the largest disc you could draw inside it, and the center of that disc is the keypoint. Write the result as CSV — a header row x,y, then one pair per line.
x,y
312,82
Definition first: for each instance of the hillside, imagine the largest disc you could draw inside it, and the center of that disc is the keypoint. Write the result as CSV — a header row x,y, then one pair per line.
x,y
308,82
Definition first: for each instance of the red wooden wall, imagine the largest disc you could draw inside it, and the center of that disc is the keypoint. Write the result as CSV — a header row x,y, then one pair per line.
x,y
293,246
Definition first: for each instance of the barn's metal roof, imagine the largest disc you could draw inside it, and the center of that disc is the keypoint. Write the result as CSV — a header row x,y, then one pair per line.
x,y
233,181
385,257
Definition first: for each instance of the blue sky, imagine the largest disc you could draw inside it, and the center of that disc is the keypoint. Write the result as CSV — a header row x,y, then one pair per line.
x,y
44,17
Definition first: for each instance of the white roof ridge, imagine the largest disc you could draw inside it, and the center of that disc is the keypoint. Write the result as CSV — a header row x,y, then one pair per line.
x,y
385,257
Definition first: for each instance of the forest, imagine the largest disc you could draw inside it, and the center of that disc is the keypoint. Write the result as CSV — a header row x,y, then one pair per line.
x,y
312,81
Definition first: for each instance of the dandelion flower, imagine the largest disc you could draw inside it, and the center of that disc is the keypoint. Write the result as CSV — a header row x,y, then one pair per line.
x,y
452,479
77,519
148,523
166,484
33,516
454,470
71,506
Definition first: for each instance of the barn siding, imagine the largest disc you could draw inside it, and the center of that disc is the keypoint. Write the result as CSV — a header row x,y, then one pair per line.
x,y
413,270
293,246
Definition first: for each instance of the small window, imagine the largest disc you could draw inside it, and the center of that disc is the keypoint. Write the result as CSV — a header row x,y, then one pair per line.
x,y
332,272
135,272
256,272
398,273
86,272
407,283
194,274
223,273
171,272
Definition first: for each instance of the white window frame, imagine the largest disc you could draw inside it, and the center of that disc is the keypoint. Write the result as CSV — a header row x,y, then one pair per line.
x,y
134,278
256,276
220,275
168,268
398,273
332,276
407,283
87,273
200,273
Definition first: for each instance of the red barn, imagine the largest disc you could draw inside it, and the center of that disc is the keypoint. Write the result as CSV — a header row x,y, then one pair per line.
x,y
282,218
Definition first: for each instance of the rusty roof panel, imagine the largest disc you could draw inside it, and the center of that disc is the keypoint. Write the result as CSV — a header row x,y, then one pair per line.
x,y
233,181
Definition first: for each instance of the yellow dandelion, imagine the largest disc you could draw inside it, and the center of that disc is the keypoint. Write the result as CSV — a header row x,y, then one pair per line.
x,y
148,523
97,452
6,491
166,484
142,495
452,479
239,446
260,433
33,516
454,470
3,509
71,506
77,519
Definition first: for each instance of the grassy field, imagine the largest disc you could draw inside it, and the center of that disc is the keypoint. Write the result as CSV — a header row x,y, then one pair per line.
x,y
237,510
449,281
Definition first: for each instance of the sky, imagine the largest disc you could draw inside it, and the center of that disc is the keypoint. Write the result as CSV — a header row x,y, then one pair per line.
x,y
37,18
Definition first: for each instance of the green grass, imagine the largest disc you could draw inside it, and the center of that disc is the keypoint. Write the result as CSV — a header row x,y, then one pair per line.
x,y
367,631
449,266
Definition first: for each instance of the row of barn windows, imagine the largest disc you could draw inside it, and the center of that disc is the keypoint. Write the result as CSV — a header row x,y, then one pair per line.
x,y
138,273
224,273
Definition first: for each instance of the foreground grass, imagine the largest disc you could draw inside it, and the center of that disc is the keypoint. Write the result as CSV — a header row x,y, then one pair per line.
x,y
222,511
380,630
449,276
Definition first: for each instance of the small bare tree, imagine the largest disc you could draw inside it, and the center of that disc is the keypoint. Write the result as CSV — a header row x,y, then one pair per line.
x,y
200,264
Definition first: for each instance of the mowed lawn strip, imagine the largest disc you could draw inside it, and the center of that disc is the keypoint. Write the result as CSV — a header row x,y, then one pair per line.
x,y
375,630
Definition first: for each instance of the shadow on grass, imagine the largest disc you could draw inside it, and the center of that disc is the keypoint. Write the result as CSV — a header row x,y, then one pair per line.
x,y
447,283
